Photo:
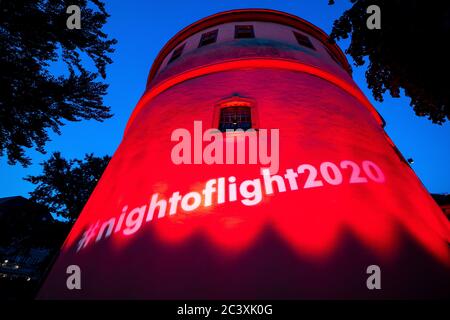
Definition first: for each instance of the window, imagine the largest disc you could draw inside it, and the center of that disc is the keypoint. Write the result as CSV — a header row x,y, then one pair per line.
x,y
303,40
234,118
176,53
241,32
208,38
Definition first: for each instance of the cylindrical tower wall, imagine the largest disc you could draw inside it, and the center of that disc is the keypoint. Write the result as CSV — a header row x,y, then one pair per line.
x,y
339,197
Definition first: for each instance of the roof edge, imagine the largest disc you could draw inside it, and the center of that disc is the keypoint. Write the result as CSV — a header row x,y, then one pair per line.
x,y
267,15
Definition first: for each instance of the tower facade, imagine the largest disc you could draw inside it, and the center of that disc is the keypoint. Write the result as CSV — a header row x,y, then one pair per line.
x,y
254,167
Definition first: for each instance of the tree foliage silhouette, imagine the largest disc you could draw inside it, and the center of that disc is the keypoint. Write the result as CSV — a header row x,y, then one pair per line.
x,y
33,35
65,185
409,52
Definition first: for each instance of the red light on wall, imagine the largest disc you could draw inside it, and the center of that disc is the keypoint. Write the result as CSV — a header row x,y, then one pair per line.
x,y
342,199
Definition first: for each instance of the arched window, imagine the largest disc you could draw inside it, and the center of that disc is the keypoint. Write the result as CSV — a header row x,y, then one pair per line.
x,y
234,113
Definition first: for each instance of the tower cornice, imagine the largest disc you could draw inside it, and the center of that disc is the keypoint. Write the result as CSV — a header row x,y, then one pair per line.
x,y
283,64
263,15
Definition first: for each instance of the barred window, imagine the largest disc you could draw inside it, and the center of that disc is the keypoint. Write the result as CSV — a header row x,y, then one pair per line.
x,y
208,38
244,31
176,53
234,118
303,40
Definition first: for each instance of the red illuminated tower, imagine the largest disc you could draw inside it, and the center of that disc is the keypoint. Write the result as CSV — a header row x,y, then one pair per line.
x,y
349,200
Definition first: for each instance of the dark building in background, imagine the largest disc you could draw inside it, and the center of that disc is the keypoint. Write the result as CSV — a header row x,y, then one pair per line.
x,y
29,240
443,200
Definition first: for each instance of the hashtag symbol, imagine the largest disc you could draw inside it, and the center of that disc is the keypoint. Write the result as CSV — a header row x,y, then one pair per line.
x,y
87,236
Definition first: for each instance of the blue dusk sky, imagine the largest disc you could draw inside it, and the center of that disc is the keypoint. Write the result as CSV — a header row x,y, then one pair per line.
x,y
143,27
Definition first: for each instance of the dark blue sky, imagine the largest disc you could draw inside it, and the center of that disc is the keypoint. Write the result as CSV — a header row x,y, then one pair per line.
x,y
142,27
